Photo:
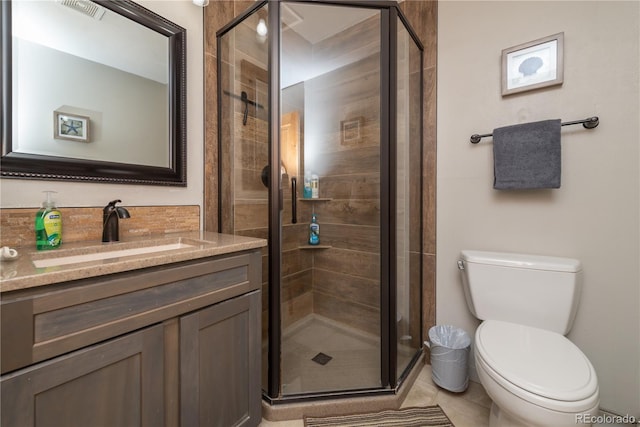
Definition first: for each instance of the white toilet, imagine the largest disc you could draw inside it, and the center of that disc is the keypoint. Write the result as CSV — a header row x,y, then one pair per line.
x,y
532,372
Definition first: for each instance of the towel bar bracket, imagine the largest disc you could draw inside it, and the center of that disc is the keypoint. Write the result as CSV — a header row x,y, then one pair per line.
x,y
475,138
590,123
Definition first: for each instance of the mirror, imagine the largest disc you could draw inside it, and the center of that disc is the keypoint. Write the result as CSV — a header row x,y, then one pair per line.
x,y
92,91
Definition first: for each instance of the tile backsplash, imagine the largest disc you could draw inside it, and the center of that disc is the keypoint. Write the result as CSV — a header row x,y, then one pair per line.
x,y
85,224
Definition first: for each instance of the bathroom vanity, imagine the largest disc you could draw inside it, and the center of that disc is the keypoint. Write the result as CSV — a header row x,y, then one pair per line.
x,y
133,336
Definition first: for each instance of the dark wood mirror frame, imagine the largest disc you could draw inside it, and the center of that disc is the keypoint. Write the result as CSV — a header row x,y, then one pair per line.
x,y
34,166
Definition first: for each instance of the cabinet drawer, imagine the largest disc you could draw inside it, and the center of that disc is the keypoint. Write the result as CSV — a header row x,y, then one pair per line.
x,y
70,316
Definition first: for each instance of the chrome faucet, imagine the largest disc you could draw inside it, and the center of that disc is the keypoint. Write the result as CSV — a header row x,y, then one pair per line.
x,y
110,215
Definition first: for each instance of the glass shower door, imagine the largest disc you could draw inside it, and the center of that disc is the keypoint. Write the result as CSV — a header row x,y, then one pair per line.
x,y
408,198
244,142
320,119
330,137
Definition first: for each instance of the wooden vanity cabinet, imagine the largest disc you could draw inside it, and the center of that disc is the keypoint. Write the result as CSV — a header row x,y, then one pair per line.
x,y
184,348
219,378
117,383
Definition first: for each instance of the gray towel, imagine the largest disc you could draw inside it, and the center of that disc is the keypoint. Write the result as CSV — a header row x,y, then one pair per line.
x,y
527,156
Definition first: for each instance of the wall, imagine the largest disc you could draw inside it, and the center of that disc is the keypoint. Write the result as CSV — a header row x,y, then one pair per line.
x,y
28,193
595,215
346,285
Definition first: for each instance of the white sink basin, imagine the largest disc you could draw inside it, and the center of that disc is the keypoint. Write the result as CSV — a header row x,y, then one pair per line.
x,y
108,254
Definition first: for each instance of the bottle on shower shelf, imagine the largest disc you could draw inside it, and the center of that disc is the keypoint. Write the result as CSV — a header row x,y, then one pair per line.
x,y
306,192
314,230
315,186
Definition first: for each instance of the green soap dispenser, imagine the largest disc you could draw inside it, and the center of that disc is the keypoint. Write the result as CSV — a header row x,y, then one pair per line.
x,y
48,225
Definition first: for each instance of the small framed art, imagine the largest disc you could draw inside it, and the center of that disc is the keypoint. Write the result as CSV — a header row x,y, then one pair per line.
x,y
533,65
70,126
351,130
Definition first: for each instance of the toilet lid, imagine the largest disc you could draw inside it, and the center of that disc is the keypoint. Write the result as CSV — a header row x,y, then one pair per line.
x,y
539,361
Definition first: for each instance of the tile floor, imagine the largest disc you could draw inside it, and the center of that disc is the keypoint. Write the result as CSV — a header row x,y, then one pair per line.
x,y
468,409
354,357
355,361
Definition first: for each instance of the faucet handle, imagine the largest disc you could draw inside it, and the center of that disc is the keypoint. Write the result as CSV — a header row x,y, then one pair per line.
x,y
111,206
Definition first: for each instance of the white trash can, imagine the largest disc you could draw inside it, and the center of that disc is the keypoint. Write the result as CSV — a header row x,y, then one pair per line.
x,y
450,348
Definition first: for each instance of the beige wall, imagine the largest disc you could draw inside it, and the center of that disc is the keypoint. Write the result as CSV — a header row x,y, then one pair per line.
x,y
26,193
40,94
595,215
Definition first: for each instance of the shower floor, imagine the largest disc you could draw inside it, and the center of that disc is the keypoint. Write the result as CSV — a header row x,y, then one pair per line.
x,y
354,357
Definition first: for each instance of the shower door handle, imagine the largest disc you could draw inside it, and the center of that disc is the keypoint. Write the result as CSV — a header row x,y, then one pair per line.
x,y
294,201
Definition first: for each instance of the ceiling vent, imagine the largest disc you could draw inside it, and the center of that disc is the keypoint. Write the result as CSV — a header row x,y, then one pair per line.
x,y
85,7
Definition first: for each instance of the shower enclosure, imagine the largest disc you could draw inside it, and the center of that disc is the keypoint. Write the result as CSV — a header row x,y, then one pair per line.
x,y
328,93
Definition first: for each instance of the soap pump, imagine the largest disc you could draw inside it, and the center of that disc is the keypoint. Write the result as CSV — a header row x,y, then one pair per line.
x,y
48,225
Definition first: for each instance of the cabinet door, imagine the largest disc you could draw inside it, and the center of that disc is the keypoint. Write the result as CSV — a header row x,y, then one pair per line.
x,y
220,364
116,383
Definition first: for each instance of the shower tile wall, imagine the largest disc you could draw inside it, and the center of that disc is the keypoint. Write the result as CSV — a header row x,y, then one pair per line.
x,y
346,285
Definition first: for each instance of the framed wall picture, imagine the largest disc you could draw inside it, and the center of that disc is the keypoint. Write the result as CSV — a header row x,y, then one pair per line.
x,y
70,126
533,65
351,130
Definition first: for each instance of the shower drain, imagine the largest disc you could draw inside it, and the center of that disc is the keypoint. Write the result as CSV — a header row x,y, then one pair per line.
x,y
322,358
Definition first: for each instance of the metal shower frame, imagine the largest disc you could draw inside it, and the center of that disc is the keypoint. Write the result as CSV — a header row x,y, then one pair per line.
x,y
390,15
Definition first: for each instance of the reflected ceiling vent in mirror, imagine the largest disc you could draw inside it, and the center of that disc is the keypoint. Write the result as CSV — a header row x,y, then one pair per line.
x,y
85,7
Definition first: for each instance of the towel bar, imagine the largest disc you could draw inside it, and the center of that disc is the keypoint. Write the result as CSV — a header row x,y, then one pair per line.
x,y
246,101
589,123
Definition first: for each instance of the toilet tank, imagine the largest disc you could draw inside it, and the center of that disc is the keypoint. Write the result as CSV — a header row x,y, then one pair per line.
x,y
533,290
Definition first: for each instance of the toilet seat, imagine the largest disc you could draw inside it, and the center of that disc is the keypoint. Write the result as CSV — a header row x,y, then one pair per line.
x,y
539,366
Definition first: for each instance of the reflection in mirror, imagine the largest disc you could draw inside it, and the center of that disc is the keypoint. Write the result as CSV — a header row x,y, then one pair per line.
x,y
94,91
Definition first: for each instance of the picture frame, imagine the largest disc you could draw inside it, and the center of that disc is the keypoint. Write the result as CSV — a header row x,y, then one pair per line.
x,y
71,127
351,130
533,65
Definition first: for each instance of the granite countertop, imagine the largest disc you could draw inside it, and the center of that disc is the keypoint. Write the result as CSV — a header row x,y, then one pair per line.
x,y
73,260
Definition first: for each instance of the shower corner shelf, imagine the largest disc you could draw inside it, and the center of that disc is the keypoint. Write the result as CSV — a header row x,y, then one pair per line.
x,y
317,199
315,246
